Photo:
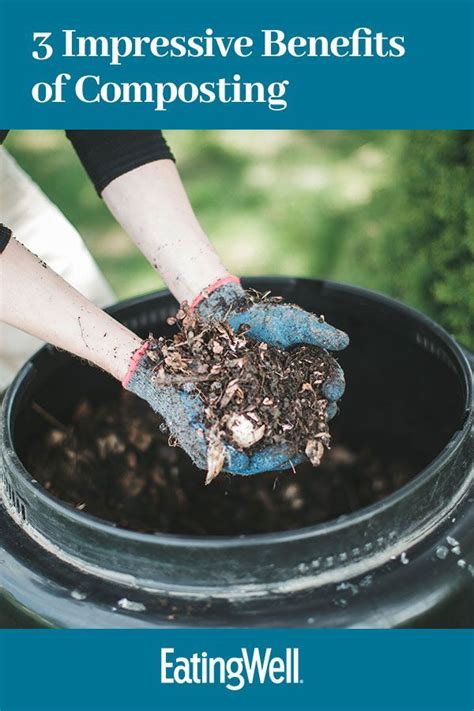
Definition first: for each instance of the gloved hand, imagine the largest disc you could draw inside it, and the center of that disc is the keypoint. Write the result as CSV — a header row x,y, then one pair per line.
x,y
282,325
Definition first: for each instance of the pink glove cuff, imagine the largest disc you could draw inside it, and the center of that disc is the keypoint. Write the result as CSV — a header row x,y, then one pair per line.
x,y
212,287
134,361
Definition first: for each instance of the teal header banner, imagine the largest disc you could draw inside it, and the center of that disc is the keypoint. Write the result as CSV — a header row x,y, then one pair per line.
x,y
150,64
321,670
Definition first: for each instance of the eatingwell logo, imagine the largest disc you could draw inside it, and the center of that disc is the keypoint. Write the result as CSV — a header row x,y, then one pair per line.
x,y
257,666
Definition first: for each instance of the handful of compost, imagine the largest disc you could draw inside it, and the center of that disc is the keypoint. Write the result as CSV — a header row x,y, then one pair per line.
x,y
232,394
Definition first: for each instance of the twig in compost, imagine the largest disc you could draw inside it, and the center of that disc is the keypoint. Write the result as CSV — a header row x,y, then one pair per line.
x,y
48,417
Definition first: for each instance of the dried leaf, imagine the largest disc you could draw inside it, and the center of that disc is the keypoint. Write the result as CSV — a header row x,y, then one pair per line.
x,y
314,451
215,458
229,393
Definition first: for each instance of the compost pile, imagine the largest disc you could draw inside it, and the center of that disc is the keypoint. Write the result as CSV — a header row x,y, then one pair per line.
x,y
253,395
110,457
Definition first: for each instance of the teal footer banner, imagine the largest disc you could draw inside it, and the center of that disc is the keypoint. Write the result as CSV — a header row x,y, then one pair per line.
x,y
323,670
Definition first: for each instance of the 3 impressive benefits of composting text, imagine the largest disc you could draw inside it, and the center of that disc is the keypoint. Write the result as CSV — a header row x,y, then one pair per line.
x,y
160,94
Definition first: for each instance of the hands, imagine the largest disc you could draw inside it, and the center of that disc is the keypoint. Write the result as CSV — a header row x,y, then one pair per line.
x,y
182,412
281,325
151,204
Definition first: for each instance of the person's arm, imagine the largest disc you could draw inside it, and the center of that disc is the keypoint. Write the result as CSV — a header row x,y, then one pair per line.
x,y
152,206
135,174
35,299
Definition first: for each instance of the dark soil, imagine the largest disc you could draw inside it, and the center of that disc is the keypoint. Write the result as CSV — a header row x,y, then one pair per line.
x,y
254,395
114,462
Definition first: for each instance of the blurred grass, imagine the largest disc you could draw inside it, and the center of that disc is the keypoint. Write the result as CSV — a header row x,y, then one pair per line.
x,y
272,202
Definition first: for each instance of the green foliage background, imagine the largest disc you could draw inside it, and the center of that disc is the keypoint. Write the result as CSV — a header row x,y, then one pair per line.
x,y
389,210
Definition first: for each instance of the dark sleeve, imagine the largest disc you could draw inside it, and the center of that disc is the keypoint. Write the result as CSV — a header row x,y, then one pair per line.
x,y
108,154
3,135
5,236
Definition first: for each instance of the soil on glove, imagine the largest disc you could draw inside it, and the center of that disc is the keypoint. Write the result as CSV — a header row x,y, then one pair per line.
x,y
253,395
114,462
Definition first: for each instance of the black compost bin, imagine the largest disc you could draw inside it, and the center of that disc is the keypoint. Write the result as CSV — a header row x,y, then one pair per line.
x,y
405,560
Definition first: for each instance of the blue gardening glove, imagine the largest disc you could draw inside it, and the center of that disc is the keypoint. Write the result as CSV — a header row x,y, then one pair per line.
x,y
181,410
280,325
183,413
